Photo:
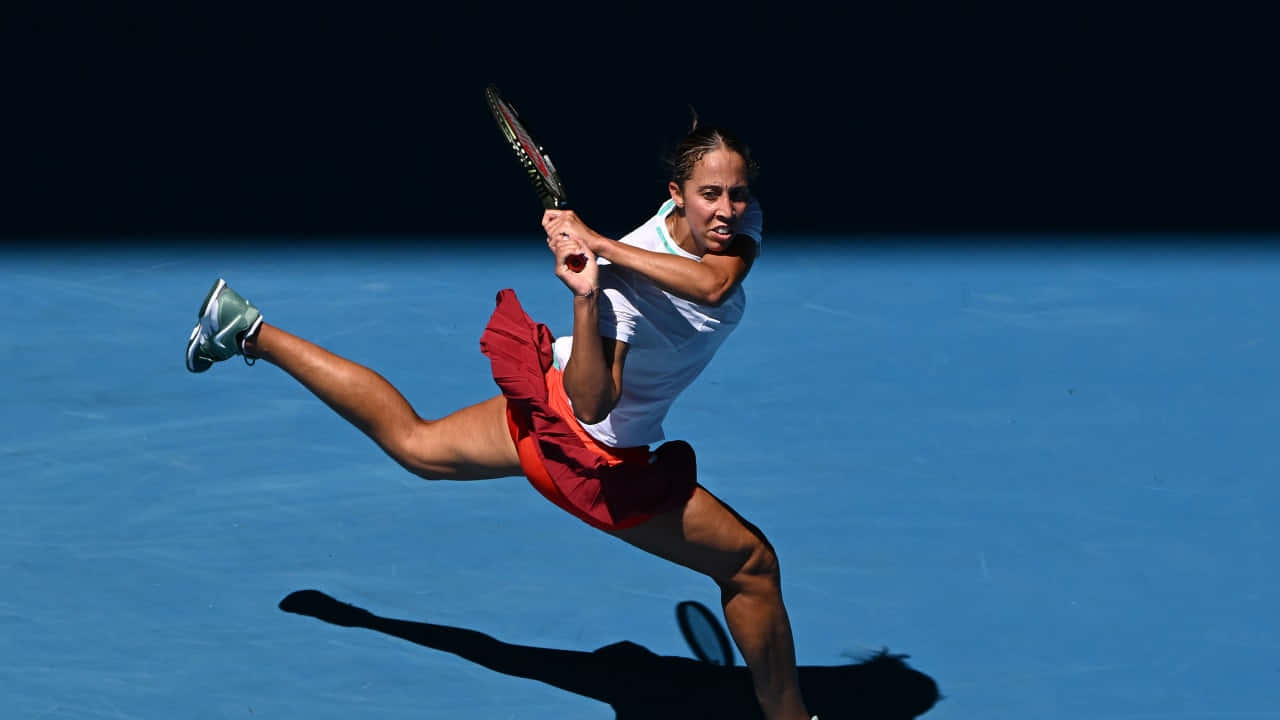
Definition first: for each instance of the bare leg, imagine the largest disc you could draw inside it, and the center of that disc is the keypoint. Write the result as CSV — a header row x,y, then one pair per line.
x,y
472,443
707,536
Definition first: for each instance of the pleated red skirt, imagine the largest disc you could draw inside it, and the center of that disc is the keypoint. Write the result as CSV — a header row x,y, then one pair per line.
x,y
608,488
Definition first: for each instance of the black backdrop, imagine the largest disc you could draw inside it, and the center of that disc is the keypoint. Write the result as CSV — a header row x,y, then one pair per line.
x,y
144,120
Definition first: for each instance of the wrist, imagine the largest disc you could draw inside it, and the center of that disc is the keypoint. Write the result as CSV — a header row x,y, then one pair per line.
x,y
590,294
598,244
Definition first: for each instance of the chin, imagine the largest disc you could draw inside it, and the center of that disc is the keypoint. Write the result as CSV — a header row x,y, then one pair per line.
x,y
715,243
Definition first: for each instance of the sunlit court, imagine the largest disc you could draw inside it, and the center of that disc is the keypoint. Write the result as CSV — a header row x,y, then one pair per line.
x,y
1043,469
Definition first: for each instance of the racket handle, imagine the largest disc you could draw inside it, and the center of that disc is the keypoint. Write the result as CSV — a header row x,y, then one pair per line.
x,y
576,262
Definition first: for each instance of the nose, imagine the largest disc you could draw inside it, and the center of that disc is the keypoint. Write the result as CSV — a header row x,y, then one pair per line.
x,y
724,207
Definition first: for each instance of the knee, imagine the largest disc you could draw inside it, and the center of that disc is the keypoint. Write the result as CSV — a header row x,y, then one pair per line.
x,y
757,570
426,472
411,448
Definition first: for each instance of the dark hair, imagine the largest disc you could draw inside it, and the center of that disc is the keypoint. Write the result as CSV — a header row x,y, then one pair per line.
x,y
699,142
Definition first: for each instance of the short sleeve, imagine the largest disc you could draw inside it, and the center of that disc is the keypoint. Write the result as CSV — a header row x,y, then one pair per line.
x,y
752,223
617,315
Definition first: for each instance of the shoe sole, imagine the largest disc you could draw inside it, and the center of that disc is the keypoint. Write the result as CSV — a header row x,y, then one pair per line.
x,y
204,308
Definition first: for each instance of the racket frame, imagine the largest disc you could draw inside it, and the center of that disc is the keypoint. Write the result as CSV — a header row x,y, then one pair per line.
x,y
532,156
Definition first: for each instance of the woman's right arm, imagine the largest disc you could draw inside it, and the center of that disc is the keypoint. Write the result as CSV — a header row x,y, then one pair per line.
x,y
593,375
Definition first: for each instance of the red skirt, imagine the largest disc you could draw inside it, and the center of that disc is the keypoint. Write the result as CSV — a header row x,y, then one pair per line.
x,y
608,488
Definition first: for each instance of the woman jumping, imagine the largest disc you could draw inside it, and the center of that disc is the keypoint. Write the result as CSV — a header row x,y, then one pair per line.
x,y
577,415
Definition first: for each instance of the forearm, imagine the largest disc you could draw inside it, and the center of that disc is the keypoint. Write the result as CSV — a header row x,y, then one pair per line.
x,y
677,275
587,378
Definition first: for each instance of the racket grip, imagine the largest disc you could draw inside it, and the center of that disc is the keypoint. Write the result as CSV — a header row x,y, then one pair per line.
x,y
576,262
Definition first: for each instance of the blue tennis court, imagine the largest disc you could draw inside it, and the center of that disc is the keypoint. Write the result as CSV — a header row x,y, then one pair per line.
x,y
1045,474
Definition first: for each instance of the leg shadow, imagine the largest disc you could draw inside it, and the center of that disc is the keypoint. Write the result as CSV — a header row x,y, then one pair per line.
x,y
641,685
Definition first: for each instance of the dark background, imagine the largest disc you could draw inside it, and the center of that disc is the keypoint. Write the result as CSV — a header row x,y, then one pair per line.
x,y
140,120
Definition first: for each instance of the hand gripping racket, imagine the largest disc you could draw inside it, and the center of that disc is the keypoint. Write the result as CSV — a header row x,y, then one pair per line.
x,y
535,161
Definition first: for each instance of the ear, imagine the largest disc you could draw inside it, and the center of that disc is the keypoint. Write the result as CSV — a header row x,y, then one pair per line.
x,y
676,195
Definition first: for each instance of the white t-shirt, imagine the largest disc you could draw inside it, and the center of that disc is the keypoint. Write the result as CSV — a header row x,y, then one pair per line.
x,y
671,339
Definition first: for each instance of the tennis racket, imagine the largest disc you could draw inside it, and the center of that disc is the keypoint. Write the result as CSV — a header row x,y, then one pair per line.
x,y
535,161
706,637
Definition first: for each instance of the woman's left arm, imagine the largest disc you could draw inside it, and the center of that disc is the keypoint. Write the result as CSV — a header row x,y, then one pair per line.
x,y
708,282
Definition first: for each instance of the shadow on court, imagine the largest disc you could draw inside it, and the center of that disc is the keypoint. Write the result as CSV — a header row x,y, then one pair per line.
x,y
641,685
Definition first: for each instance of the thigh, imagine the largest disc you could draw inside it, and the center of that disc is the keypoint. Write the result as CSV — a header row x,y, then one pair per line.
x,y
473,443
705,535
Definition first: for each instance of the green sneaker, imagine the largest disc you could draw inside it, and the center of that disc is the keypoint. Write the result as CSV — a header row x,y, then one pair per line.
x,y
225,320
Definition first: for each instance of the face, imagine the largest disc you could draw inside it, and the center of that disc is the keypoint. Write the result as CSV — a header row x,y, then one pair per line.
x,y
714,198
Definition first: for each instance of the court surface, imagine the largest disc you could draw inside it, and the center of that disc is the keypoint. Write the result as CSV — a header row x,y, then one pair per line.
x,y
1047,475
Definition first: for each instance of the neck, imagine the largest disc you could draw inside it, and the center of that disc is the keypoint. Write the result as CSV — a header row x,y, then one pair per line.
x,y
678,228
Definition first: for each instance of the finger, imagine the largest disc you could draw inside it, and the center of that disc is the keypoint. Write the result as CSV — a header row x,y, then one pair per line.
x,y
563,245
573,245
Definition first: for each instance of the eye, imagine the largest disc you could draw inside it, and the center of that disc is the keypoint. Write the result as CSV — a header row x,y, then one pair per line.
x,y
740,194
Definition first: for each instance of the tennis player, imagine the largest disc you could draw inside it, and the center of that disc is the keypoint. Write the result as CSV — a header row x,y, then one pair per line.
x,y
578,415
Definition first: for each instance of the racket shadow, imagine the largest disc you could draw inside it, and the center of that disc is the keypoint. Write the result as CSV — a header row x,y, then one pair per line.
x,y
641,685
